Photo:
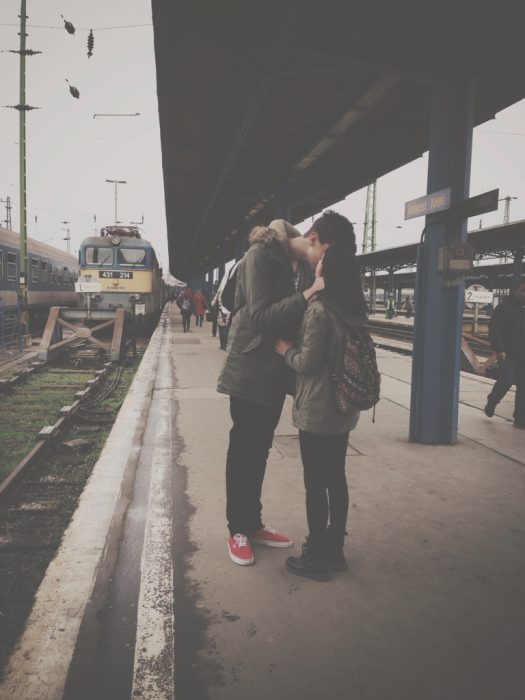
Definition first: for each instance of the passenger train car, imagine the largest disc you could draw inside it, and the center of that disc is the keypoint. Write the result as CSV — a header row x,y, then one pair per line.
x,y
119,269
51,275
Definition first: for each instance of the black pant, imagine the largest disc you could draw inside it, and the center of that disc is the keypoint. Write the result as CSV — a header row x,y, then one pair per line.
x,y
223,336
251,438
324,459
199,318
510,371
186,322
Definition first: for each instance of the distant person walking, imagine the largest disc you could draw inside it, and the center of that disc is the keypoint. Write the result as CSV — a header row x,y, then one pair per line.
x,y
409,308
222,316
390,308
185,304
507,337
199,307
214,309
323,430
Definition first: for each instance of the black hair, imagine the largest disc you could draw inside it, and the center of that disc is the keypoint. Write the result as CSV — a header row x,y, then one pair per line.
x,y
340,269
342,280
335,229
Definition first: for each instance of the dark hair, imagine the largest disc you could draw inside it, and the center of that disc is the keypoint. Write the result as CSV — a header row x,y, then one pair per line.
x,y
335,229
342,280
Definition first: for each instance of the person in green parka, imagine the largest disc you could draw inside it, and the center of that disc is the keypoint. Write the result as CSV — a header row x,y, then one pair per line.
x,y
323,431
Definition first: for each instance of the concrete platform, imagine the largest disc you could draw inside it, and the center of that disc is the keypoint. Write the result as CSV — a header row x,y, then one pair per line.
x,y
432,607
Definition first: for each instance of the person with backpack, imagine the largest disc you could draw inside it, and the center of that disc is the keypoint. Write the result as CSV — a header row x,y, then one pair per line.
x,y
268,303
185,304
321,409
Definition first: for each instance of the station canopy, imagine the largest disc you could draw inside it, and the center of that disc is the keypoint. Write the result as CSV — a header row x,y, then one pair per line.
x,y
305,102
495,241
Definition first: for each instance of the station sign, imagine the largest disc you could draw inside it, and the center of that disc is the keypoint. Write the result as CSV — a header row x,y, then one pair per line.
x,y
477,294
87,284
482,203
429,204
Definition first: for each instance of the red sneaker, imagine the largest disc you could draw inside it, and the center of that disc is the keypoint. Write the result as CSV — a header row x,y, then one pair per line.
x,y
240,550
268,536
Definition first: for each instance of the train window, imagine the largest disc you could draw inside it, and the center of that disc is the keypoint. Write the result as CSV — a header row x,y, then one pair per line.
x,y
11,267
1,263
99,256
131,256
43,266
34,269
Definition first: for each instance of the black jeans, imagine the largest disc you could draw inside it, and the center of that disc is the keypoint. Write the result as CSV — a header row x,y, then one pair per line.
x,y
510,371
251,438
324,459
186,321
223,336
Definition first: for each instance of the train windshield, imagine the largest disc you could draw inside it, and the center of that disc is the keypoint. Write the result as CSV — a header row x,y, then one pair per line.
x,y
99,256
131,256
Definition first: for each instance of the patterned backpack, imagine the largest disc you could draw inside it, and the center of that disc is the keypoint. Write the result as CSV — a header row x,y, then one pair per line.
x,y
355,386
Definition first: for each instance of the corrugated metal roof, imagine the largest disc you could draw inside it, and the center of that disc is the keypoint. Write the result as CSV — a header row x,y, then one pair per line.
x,y
328,95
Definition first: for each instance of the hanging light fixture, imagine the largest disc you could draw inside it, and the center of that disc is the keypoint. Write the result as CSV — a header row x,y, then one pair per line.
x,y
73,90
69,26
90,43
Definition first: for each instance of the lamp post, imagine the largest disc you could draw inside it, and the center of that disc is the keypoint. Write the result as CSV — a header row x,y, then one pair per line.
x,y
117,183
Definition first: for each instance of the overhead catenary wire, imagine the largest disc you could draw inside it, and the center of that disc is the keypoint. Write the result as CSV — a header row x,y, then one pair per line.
x,y
87,29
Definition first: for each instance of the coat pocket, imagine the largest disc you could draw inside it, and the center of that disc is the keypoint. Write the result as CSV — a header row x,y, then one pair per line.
x,y
254,343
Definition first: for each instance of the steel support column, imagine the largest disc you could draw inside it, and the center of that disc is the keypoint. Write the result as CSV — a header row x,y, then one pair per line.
x,y
517,267
439,308
391,282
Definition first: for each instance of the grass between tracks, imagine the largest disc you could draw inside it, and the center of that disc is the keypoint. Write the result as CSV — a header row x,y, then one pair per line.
x,y
36,403
37,513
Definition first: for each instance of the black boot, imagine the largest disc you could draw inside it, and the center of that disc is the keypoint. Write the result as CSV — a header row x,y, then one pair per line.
x,y
335,553
312,562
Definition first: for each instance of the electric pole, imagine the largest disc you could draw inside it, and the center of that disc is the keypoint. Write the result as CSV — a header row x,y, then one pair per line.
x,y
22,107
369,235
67,237
506,217
7,221
117,182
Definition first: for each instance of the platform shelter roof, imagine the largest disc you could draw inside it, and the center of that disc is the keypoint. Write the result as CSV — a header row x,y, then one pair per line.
x,y
502,241
298,104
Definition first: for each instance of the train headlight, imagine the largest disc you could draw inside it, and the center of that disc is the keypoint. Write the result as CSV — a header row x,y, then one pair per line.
x,y
137,298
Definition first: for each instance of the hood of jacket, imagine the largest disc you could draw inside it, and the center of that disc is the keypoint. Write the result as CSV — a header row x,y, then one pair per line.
x,y
278,232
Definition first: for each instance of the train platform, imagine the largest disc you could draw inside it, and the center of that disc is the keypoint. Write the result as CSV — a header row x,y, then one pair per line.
x,y
142,600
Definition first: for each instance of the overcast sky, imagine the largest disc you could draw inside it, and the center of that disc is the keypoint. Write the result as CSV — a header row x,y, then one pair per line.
x,y
70,154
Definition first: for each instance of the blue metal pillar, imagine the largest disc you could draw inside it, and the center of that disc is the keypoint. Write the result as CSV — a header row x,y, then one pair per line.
x,y
439,307
517,267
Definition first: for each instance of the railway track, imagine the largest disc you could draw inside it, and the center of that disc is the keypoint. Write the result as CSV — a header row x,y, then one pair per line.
x,y
53,466
387,329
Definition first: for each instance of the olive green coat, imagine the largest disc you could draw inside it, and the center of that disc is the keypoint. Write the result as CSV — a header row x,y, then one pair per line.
x,y
267,307
321,348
